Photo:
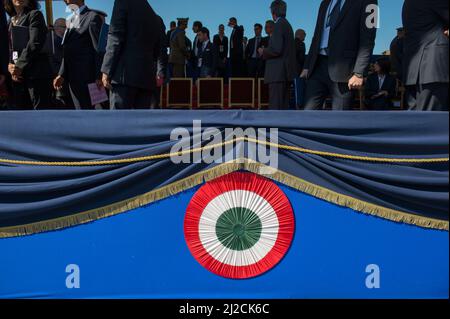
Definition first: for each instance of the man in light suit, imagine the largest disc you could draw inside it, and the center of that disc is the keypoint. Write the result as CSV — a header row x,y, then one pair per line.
x,y
340,52
81,59
134,45
426,54
280,58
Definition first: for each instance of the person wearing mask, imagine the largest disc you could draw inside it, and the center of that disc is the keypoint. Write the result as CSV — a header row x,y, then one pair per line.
x,y
30,67
380,87
254,60
82,59
221,43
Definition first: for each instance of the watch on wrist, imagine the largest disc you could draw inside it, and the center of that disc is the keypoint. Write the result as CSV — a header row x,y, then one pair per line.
x,y
358,75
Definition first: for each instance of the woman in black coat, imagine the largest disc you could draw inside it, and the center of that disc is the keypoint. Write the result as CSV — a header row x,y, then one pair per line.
x,y
30,67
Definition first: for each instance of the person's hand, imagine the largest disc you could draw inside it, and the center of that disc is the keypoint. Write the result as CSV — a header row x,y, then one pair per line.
x,y
261,51
304,74
446,33
385,93
11,68
17,78
99,83
58,82
355,83
14,70
106,81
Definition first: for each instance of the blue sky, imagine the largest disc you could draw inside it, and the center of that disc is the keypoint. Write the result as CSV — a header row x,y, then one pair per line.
x,y
301,13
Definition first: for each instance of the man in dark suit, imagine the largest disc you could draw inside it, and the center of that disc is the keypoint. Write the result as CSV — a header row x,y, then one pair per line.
x,y
280,58
221,43
300,50
4,59
81,59
4,51
340,52
254,60
134,45
196,45
173,26
161,66
396,50
300,54
208,55
236,49
426,54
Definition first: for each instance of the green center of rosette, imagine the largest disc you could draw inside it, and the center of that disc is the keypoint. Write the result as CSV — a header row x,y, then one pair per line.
x,y
239,228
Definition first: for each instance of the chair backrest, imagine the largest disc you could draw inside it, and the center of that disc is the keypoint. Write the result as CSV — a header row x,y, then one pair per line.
x,y
179,93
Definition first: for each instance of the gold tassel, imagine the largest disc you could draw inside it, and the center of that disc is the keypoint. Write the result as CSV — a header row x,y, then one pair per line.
x,y
211,174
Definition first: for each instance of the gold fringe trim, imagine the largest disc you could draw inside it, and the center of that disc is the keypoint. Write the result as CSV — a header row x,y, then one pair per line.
x,y
216,172
236,140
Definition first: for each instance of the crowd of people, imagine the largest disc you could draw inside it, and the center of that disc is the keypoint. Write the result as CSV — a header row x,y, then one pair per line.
x,y
135,55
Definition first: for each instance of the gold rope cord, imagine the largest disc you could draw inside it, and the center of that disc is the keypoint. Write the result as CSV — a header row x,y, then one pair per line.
x,y
240,139
213,173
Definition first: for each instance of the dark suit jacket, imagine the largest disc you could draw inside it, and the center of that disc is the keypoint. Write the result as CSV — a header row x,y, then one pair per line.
x,y
210,59
81,59
236,43
372,87
426,48
351,42
280,54
134,44
396,57
4,50
300,53
163,58
221,44
250,49
34,63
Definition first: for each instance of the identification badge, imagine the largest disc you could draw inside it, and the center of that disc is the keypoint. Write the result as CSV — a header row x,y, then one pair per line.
x,y
15,56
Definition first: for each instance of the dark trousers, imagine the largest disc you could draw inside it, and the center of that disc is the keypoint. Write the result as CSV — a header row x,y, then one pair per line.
x,y
238,67
156,98
320,86
254,68
33,95
81,99
178,70
428,97
125,97
279,95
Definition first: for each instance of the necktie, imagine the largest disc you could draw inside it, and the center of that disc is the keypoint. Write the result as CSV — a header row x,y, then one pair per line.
x,y
334,15
255,52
